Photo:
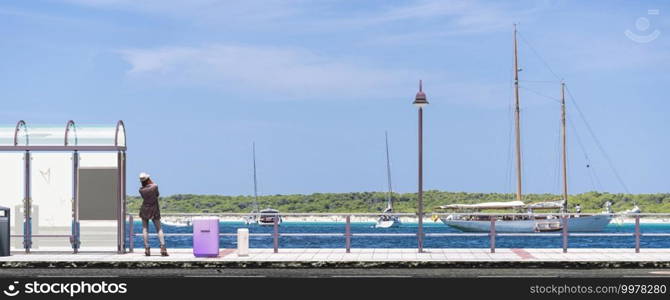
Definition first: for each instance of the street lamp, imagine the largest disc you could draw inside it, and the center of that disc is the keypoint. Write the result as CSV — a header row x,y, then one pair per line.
x,y
420,101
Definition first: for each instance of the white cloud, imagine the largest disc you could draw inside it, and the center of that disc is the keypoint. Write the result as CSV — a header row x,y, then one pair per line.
x,y
207,11
420,10
577,52
453,16
290,73
612,53
286,72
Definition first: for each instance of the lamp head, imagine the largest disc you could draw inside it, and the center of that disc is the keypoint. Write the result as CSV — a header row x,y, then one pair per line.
x,y
420,100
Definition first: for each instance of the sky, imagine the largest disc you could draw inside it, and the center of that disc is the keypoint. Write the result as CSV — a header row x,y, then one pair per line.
x,y
315,84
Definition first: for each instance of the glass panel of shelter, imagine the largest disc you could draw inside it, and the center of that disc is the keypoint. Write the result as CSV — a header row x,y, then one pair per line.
x,y
51,191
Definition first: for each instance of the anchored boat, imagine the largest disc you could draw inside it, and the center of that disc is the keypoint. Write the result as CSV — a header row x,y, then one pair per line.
x,y
176,221
528,222
522,222
267,217
387,219
263,217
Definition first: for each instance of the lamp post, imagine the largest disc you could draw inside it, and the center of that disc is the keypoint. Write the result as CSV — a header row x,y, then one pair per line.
x,y
420,101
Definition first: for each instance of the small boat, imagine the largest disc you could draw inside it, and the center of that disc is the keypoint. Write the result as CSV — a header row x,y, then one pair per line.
x,y
387,219
267,217
178,222
252,218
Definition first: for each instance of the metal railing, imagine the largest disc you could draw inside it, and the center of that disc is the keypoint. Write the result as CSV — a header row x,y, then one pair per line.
x,y
492,233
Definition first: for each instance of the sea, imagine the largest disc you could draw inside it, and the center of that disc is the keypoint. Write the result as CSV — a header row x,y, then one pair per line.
x,y
406,241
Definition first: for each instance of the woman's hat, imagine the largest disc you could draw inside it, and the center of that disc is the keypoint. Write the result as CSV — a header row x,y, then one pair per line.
x,y
144,176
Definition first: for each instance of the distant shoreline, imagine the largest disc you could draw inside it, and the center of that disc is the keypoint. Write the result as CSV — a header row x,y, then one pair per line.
x,y
369,219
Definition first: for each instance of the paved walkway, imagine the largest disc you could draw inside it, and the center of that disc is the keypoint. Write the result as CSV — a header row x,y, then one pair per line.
x,y
358,255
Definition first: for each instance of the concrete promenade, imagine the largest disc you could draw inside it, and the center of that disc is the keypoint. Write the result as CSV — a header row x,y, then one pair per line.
x,y
358,258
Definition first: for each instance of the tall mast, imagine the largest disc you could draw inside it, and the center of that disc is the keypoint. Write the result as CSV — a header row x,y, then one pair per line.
x,y
517,121
565,153
388,173
253,147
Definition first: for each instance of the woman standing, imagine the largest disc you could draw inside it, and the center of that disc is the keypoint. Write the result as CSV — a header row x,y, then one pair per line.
x,y
150,210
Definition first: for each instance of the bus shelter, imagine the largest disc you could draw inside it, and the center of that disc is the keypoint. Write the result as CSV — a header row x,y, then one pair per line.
x,y
65,186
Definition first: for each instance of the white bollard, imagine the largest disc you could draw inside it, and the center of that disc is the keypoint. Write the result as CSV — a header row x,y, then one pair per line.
x,y
242,242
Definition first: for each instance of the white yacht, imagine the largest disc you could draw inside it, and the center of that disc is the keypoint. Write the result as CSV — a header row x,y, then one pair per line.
x,y
529,222
267,217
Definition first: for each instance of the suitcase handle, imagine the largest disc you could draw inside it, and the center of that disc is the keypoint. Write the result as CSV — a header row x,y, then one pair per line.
x,y
204,230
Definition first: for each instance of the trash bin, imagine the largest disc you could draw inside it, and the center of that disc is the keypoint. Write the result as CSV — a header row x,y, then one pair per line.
x,y
4,231
206,236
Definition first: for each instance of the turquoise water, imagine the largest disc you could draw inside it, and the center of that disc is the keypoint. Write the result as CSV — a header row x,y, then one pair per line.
x,y
408,242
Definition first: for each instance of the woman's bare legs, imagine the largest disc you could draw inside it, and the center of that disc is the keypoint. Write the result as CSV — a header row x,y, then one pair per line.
x,y
159,230
145,232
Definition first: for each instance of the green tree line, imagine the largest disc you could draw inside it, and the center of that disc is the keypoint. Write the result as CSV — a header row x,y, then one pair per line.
x,y
371,202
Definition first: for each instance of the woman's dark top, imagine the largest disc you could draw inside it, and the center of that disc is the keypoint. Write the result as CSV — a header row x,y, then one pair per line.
x,y
150,209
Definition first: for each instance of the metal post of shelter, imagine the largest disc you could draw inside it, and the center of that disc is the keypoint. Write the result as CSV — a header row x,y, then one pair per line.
x,y
123,197
121,192
120,217
27,205
76,241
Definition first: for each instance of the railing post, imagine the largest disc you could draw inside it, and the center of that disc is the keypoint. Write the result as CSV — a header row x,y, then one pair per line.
x,y
420,234
347,234
637,233
492,234
275,234
131,233
564,233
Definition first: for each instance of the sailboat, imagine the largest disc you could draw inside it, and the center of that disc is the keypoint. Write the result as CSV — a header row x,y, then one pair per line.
x,y
253,217
265,216
527,222
387,219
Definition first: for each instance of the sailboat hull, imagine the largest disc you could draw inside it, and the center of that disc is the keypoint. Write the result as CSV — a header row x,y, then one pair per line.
x,y
267,222
595,223
387,223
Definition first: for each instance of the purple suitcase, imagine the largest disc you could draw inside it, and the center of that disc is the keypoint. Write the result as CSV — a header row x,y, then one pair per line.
x,y
206,236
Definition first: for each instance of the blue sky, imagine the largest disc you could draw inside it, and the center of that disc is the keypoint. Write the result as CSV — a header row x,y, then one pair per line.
x,y
316,83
